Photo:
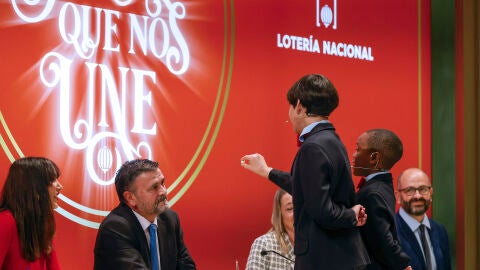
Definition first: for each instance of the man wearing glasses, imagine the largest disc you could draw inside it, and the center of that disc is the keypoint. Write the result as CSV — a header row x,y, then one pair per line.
x,y
424,240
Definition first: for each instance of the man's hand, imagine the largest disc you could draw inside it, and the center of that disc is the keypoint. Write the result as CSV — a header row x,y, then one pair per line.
x,y
255,163
360,214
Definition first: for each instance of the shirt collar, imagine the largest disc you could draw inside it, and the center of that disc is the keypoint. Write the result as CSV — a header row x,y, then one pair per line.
x,y
309,128
370,176
143,221
411,222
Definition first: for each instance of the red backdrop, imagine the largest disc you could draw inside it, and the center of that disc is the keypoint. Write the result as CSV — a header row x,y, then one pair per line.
x,y
196,85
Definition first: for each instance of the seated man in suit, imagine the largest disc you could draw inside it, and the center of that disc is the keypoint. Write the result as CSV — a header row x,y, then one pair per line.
x,y
376,152
430,250
141,232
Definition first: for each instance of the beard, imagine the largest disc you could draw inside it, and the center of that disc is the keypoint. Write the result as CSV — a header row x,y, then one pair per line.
x,y
162,199
416,210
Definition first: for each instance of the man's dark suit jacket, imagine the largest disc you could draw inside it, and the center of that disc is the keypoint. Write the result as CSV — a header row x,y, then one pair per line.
x,y
121,242
379,233
439,241
326,236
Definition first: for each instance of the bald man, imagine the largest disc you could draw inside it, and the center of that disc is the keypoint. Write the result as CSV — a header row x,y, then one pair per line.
x,y
430,250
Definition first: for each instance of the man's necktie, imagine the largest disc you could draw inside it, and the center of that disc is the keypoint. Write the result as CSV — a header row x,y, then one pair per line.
x,y
153,246
426,249
361,183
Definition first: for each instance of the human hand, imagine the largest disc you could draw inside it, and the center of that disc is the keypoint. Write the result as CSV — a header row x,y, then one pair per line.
x,y
409,268
360,214
255,163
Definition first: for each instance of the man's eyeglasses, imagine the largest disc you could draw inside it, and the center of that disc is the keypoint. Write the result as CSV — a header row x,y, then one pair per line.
x,y
410,191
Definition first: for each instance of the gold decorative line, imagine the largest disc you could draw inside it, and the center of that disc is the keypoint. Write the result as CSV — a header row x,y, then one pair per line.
x,y
224,104
12,140
60,210
6,150
419,51
226,51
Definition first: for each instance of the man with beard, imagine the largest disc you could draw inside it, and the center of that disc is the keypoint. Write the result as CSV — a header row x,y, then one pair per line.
x,y
377,151
141,232
424,240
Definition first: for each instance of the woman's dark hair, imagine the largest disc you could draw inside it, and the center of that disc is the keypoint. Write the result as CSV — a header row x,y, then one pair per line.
x,y
25,194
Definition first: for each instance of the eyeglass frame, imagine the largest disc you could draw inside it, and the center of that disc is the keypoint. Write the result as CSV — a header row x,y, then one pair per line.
x,y
414,190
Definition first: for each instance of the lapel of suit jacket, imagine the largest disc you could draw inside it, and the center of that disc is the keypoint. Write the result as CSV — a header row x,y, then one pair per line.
x,y
139,233
411,239
435,239
162,241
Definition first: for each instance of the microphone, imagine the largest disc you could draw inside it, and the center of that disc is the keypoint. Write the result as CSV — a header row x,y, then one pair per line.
x,y
265,252
363,168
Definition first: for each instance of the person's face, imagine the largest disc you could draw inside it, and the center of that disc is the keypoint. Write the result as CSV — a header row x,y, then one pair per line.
x,y
149,194
286,206
294,114
361,162
53,190
415,204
